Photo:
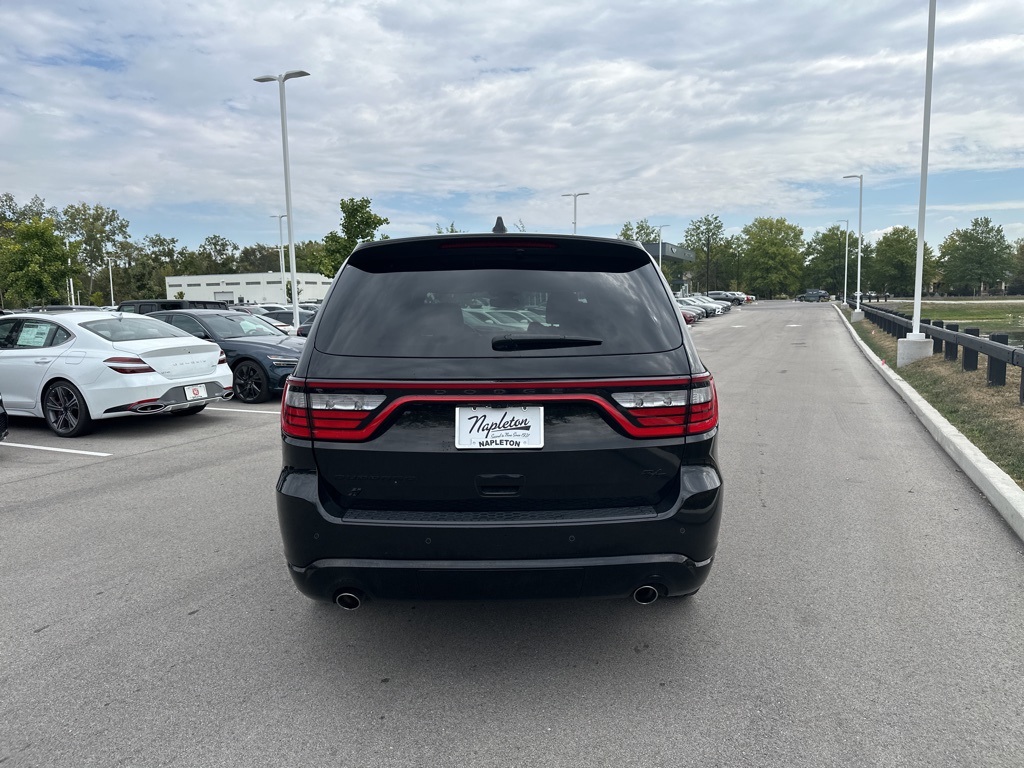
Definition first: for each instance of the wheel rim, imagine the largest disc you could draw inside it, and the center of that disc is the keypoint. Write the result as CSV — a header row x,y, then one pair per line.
x,y
248,381
63,409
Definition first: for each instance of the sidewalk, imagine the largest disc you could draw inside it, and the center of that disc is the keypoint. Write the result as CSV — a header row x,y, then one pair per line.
x,y
1000,489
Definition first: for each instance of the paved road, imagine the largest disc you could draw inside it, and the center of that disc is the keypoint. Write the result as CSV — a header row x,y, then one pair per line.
x,y
865,609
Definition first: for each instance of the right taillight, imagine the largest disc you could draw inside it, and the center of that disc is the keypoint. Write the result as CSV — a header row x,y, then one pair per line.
x,y
679,411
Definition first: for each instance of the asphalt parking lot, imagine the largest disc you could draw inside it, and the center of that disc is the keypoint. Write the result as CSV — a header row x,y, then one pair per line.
x,y
32,448
865,608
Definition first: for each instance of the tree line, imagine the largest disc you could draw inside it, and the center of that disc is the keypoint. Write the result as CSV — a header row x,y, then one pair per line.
x,y
42,247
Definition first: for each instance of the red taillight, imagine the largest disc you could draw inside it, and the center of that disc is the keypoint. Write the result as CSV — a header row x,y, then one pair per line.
x,y
222,359
682,410
128,365
295,412
650,408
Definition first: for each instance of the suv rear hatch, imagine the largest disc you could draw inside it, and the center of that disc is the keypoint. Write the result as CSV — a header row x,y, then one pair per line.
x,y
509,380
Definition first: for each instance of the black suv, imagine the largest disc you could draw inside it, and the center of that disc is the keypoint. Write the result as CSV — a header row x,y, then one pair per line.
x,y
499,415
814,295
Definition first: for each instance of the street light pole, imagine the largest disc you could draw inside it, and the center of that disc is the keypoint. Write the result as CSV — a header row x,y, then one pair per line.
x,y
860,235
574,195
660,227
110,272
846,269
280,253
280,79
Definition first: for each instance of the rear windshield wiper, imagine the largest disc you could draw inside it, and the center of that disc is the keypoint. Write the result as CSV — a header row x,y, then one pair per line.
x,y
514,341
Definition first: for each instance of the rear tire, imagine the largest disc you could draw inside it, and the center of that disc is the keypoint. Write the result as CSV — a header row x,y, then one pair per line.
x,y
65,410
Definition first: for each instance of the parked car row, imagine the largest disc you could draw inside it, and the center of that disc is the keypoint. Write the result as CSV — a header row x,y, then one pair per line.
x,y
696,307
73,368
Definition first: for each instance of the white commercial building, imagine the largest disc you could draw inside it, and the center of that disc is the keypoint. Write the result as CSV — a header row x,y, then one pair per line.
x,y
259,287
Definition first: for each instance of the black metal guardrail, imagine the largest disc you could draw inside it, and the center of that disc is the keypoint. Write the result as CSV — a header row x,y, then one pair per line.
x,y
947,339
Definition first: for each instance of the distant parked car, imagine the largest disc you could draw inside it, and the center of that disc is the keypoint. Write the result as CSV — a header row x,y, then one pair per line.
x,y
146,306
285,316
261,357
814,295
733,297
74,368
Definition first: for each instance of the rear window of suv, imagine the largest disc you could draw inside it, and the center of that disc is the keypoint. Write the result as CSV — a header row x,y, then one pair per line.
x,y
478,298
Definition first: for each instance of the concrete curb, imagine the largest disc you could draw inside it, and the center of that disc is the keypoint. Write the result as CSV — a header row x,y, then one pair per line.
x,y
1000,489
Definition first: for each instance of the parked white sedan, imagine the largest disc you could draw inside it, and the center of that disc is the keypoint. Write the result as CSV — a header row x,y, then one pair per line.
x,y
75,367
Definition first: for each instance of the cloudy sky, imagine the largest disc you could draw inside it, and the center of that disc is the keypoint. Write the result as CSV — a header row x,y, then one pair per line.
x,y
447,111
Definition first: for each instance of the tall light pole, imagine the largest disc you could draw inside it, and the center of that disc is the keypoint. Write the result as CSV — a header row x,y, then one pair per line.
x,y
280,253
110,272
574,195
916,345
860,236
660,227
280,79
846,269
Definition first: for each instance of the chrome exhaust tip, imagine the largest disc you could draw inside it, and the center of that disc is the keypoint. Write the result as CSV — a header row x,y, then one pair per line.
x,y
348,600
646,594
150,408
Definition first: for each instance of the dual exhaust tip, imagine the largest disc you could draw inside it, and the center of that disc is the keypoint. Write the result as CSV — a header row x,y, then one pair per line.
x,y
157,407
351,599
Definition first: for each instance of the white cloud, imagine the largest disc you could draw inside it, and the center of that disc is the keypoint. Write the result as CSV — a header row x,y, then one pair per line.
x,y
448,111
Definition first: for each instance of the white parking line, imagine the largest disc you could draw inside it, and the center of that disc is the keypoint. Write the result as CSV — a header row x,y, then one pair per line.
x,y
56,450
239,410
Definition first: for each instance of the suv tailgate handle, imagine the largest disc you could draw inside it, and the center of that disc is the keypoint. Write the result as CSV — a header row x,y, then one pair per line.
x,y
499,485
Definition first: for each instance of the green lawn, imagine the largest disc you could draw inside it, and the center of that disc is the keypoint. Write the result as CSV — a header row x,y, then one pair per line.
x,y
990,315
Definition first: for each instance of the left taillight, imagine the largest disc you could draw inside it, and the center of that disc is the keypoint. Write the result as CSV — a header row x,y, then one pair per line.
x,y
222,359
128,365
326,415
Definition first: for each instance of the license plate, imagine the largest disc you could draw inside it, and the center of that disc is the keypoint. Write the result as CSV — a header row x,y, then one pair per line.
x,y
516,427
195,392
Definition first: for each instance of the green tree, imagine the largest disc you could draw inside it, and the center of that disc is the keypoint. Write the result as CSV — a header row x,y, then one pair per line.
x,y
976,257
449,230
97,230
359,224
705,237
1015,284
772,256
641,232
220,253
894,268
826,264
12,213
34,263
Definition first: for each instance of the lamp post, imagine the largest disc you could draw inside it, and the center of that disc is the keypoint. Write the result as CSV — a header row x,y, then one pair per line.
x,y
860,238
916,346
280,79
846,269
660,227
574,195
280,253
110,272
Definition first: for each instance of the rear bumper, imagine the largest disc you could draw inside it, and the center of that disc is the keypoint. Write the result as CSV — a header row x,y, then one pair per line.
x,y
173,399
670,574
671,551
